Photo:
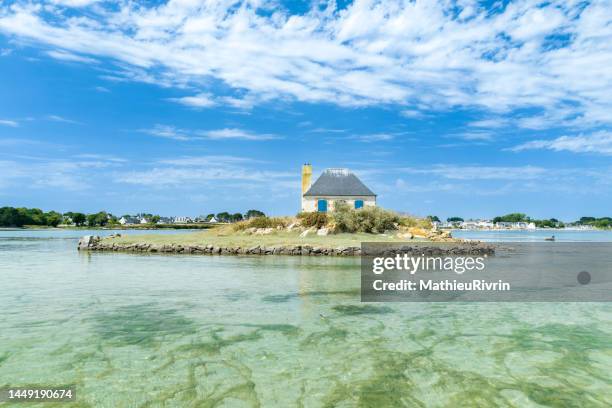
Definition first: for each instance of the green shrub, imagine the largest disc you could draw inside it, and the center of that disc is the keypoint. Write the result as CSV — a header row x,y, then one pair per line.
x,y
259,222
313,219
367,219
408,221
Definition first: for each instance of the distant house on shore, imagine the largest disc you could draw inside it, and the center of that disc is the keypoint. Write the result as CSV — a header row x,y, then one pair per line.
x,y
334,186
129,220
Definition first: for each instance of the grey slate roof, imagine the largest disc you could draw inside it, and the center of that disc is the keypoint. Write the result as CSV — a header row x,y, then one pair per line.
x,y
338,182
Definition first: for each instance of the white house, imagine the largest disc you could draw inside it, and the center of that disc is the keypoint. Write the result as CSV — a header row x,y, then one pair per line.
x,y
129,220
333,186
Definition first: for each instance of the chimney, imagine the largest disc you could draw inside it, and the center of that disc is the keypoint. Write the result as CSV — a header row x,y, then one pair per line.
x,y
306,177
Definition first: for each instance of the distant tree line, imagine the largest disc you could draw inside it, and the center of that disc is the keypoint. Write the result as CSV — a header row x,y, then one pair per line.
x,y
544,223
227,217
603,222
520,217
18,217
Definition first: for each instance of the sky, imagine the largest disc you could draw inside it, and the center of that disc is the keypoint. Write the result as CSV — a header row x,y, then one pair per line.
x,y
189,107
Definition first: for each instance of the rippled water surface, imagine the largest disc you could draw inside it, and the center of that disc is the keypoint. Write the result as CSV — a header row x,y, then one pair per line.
x,y
211,331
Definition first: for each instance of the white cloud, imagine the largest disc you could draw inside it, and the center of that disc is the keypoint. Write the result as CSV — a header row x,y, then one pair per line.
x,y
454,172
75,3
423,55
197,101
11,123
598,142
231,133
57,118
69,174
412,114
203,170
167,132
489,123
172,132
374,137
208,160
68,56
479,136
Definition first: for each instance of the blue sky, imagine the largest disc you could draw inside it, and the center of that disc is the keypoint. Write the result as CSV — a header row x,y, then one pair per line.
x,y
189,107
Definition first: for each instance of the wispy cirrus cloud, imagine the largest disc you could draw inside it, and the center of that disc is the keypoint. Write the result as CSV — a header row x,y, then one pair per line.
x,y
202,100
10,123
167,132
456,172
598,142
193,171
374,137
421,56
61,119
172,132
489,123
68,174
70,57
239,134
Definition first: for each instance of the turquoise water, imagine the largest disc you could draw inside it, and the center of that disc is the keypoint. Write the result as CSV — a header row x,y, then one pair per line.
x,y
211,331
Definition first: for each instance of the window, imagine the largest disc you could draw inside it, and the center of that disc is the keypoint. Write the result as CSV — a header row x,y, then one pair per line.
x,y
358,204
322,206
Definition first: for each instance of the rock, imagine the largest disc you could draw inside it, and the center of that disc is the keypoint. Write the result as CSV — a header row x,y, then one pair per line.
x,y
305,233
87,242
405,235
323,231
263,231
292,226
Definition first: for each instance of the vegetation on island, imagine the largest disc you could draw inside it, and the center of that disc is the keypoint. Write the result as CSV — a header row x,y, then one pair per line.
x,y
342,227
343,219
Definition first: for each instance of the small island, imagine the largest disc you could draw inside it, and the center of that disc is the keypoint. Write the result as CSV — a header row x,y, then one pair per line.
x,y
337,233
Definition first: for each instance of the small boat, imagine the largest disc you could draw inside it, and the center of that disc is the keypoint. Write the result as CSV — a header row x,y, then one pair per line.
x,y
552,238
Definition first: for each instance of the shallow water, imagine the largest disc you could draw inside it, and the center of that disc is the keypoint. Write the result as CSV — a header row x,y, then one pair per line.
x,y
561,235
178,331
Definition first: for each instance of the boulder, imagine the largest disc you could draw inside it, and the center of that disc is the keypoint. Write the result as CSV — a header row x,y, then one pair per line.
x,y
405,235
323,231
263,231
87,242
305,233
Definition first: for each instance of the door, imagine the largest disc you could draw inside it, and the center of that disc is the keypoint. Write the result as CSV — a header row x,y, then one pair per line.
x,y
322,205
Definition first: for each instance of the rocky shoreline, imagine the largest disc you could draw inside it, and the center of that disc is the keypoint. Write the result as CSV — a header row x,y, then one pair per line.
x,y
95,243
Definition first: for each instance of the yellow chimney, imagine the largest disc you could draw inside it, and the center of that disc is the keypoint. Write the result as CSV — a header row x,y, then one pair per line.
x,y
306,177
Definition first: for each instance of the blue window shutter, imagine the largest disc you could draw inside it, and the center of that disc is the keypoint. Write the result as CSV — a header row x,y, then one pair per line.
x,y
322,205
358,204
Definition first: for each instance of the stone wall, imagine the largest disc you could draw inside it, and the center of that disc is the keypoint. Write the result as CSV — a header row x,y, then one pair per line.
x,y
94,243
